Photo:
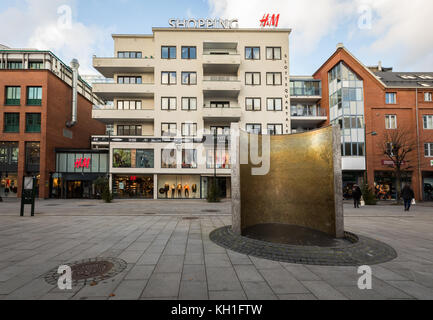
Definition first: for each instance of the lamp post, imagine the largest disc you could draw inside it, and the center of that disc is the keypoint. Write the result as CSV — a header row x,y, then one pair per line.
x,y
372,133
215,137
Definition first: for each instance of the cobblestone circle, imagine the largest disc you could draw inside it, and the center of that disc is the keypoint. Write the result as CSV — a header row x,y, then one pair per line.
x,y
358,251
89,271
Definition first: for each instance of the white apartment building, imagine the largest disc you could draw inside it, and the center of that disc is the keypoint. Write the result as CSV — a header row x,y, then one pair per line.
x,y
174,88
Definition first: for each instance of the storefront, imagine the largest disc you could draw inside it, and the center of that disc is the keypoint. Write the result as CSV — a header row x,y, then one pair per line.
x,y
76,173
385,186
350,178
179,187
135,186
9,169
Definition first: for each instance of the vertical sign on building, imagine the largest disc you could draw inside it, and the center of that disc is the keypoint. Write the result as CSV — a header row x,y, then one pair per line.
x,y
286,93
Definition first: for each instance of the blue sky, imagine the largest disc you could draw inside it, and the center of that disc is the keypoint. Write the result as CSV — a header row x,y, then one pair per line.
x,y
396,32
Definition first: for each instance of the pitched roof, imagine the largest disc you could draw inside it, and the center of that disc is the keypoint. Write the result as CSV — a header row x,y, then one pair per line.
x,y
406,79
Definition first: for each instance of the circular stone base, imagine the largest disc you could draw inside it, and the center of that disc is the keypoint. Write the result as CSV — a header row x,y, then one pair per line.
x,y
352,251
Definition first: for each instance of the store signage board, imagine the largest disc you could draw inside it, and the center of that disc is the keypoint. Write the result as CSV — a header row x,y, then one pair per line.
x,y
431,163
82,163
204,23
28,183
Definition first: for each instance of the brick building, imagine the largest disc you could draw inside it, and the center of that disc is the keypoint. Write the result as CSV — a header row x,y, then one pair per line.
x,y
369,101
35,105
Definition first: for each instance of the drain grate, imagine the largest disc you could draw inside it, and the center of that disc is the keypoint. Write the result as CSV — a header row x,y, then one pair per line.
x,y
190,218
86,205
89,271
149,213
211,211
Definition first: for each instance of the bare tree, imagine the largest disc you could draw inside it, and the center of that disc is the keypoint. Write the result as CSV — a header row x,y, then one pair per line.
x,y
398,145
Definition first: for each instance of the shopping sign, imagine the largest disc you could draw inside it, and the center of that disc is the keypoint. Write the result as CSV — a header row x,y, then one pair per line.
x,y
82,163
270,20
431,163
391,163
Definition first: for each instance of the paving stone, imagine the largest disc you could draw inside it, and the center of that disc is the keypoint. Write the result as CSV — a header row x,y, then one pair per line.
x,y
129,290
222,279
297,296
238,258
300,272
170,264
281,281
140,272
162,285
258,291
323,291
414,289
217,260
149,259
193,290
227,295
248,273
194,273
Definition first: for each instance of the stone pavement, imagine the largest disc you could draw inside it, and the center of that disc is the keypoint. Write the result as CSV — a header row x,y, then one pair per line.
x,y
170,257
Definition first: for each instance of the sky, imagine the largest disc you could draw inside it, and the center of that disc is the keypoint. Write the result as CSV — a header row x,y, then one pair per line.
x,y
396,32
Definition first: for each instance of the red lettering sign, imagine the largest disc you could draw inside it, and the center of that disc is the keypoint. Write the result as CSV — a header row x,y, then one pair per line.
x,y
82,163
270,21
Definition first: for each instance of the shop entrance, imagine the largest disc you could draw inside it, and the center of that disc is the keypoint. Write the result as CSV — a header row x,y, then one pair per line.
x,y
427,178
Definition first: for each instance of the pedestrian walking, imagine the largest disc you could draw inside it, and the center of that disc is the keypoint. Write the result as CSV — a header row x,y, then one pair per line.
x,y
356,194
408,195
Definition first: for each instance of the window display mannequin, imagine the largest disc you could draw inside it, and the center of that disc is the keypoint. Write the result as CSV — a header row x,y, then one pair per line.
x,y
194,188
166,189
186,191
173,190
179,190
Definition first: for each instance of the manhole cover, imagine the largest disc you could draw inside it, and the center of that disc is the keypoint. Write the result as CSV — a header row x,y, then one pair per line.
x,y
211,211
190,218
90,270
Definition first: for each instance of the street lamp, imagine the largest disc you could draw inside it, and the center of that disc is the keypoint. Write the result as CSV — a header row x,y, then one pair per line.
x,y
372,133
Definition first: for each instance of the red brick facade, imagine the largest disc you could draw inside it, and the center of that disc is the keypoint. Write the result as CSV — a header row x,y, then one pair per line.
x,y
375,108
55,112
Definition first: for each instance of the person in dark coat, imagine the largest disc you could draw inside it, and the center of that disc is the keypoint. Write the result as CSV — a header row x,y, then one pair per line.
x,y
408,195
356,194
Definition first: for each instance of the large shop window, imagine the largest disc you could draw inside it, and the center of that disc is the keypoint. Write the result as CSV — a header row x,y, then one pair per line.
x,y
140,186
222,158
168,158
121,158
385,184
189,158
8,156
33,154
179,187
145,158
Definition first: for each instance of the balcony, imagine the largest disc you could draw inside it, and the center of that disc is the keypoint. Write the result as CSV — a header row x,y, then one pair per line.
x,y
221,86
305,90
232,114
110,91
308,117
109,66
224,63
108,114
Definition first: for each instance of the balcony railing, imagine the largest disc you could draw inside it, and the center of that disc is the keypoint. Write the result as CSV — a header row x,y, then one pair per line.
x,y
221,78
309,113
305,92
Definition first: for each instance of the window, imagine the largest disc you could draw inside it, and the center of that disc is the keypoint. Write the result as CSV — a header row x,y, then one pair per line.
x,y
36,65
9,153
273,53
389,149
273,78
33,154
129,55
189,78
129,130
168,103
11,122
428,96
15,65
189,53
254,128
252,78
168,129
121,158
391,121
274,129
168,77
129,105
189,129
253,104
33,122
168,52
391,98
252,53
189,103
13,96
189,158
129,80
428,147
222,157
144,158
220,130
168,158
275,104
34,96
428,122
220,104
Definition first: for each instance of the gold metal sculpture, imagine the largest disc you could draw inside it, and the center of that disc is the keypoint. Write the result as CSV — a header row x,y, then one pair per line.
x,y
303,186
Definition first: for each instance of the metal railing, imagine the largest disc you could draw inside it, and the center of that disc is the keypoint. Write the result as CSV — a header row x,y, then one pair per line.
x,y
221,78
305,92
309,113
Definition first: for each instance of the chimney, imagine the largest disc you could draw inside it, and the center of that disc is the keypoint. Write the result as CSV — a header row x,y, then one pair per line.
x,y
379,66
340,45
74,65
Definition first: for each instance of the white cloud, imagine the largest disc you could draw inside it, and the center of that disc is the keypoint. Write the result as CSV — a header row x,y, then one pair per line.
x,y
401,29
39,25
